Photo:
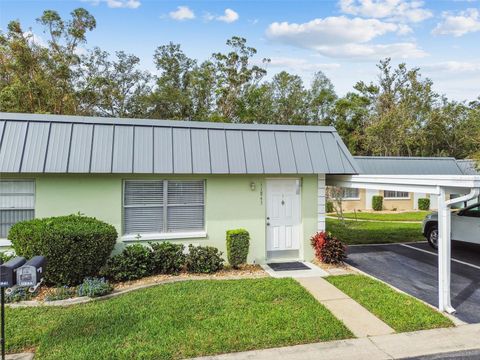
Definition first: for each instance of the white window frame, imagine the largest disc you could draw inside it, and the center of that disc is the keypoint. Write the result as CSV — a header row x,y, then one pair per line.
x,y
396,197
163,235
351,198
4,240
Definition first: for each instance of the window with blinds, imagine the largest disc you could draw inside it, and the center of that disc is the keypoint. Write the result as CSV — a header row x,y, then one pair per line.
x,y
350,193
163,206
396,194
17,203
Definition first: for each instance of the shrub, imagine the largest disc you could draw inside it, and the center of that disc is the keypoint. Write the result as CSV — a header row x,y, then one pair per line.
x,y
329,207
74,246
238,242
61,293
328,248
424,204
19,294
377,203
134,262
333,251
167,258
94,287
204,259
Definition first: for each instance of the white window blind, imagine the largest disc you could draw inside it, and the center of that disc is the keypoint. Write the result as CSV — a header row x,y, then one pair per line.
x,y
17,203
160,206
396,194
350,193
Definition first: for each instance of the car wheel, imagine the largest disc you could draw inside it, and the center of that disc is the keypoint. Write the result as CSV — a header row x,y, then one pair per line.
x,y
432,236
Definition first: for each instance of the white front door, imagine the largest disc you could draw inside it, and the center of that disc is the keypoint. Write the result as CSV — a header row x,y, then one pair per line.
x,y
283,215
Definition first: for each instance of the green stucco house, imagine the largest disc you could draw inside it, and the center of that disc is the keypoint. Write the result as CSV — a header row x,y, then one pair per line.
x,y
181,181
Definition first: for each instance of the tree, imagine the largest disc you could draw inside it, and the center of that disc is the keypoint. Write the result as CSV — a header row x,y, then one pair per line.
x,y
234,77
171,98
322,98
115,88
289,99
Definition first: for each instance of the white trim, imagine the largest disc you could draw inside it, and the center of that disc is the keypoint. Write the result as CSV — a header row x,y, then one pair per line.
x,y
397,198
351,199
5,242
164,236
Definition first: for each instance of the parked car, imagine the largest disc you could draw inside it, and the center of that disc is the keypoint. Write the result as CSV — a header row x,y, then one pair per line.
x,y
465,225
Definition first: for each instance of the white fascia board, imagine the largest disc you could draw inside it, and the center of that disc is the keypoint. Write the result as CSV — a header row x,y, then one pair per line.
x,y
413,183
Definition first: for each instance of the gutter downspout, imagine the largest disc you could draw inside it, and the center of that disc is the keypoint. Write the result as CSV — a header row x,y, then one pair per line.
x,y
444,246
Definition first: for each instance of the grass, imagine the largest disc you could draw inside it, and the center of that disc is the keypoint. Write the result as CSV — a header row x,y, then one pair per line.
x,y
367,232
401,216
174,321
400,311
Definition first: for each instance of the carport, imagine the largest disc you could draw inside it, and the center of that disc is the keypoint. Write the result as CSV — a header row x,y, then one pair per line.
x,y
439,185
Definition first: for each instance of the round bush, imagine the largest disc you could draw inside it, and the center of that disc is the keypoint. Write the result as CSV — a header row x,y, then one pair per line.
x,y
134,262
75,246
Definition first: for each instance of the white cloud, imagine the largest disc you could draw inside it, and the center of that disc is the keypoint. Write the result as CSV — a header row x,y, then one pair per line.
x,y
34,38
403,50
458,24
402,10
117,4
344,37
229,16
455,66
300,64
182,13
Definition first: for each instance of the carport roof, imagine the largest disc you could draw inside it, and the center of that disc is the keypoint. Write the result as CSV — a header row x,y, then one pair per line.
x,y
33,143
395,165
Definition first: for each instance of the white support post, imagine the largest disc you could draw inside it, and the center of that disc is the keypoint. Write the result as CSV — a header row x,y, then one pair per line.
x,y
444,253
321,201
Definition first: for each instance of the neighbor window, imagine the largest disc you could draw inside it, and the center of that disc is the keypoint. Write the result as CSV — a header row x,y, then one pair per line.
x,y
350,193
17,203
396,194
161,206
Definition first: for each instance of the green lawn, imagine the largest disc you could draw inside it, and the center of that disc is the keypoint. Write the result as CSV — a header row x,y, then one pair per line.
x,y
402,312
174,321
401,216
367,232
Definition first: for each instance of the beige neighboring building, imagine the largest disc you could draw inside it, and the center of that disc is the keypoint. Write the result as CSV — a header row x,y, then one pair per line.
x,y
361,199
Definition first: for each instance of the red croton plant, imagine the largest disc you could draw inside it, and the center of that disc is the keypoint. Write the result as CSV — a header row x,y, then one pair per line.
x,y
328,248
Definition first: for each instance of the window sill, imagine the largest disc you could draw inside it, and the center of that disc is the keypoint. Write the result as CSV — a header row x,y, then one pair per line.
x,y
403,198
5,242
351,199
165,236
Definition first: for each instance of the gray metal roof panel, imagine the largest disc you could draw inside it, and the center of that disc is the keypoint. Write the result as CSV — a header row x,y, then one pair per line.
x,y
58,149
123,140
182,151
468,166
13,142
143,150
285,153
200,151
35,147
102,147
78,144
395,165
236,152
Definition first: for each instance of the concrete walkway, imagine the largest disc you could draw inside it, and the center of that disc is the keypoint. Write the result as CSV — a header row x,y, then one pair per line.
x,y
360,321
393,346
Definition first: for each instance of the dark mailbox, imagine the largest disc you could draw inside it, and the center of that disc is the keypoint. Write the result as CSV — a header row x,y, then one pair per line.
x,y
8,271
31,273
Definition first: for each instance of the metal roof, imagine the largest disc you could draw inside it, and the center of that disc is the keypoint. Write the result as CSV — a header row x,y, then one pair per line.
x,y
396,165
31,143
468,166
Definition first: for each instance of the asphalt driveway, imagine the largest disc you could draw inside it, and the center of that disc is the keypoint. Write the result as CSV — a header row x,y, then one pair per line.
x,y
413,269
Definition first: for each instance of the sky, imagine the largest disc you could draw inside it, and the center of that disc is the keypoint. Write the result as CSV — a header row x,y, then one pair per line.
x,y
343,38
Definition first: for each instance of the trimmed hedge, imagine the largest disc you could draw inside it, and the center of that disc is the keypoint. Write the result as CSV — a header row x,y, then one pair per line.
x,y
204,259
329,207
377,203
424,204
238,242
75,246
134,262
